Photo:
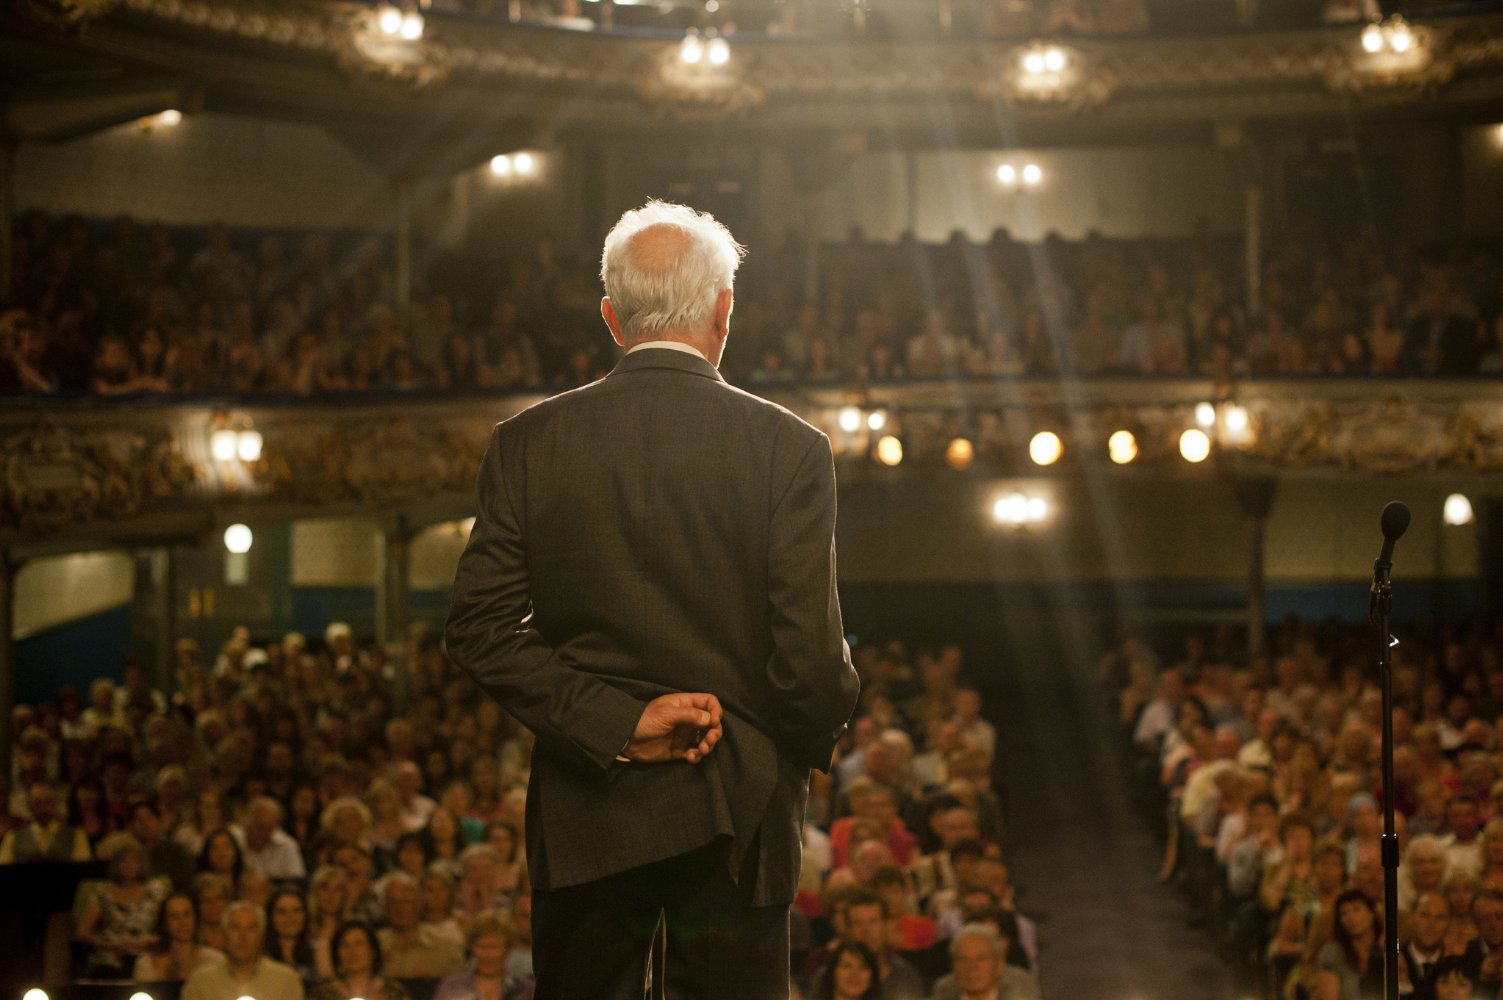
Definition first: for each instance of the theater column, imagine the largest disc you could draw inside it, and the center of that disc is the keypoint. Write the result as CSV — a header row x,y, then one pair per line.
x,y
8,569
393,605
7,213
403,236
1255,499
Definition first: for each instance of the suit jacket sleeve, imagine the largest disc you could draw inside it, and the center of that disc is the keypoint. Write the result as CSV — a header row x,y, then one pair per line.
x,y
491,635
813,684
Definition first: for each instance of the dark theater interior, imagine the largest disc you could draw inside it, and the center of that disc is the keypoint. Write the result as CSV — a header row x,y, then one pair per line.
x,y
1127,322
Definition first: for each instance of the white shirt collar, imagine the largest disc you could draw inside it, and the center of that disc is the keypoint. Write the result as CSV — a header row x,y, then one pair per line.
x,y
671,345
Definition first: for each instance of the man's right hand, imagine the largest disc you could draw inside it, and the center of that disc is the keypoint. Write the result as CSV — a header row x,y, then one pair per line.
x,y
680,726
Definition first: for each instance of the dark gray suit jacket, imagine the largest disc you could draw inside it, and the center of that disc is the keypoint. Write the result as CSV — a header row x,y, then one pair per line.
x,y
658,531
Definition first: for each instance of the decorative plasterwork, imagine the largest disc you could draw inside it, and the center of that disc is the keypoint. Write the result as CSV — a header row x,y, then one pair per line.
x,y
66,14
68,470
768,72
55,478
379,464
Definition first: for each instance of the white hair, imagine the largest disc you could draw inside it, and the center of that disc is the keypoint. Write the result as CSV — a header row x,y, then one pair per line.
x,y
653,296
985,932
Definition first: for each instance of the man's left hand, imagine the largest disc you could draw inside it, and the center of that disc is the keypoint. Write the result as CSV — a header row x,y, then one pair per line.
x,y
680,726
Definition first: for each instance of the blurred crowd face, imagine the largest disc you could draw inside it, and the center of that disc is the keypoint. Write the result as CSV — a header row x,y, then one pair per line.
x,y
853,977
490,952
242,937
865,924
1432,917
977,967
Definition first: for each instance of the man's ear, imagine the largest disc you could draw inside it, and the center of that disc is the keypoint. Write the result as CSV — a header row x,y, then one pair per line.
x,y
724,303
608,313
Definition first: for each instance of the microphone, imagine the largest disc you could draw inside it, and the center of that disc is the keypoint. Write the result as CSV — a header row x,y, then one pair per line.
x,y
1395,522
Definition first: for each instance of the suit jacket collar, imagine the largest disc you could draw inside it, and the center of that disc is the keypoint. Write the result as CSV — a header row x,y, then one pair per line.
x,y
657,357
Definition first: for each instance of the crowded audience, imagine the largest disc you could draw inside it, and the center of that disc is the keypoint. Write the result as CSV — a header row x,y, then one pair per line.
x,y
273,827
1263,775
129,308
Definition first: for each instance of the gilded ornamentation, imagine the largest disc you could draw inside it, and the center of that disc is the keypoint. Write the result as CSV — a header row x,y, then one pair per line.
x,y
686,90
55,478
66,14
381,463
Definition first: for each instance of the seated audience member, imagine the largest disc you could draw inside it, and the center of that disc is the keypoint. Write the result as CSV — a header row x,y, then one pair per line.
x,y
118,921
357,968
362,902
1423,870
177,953
164,856
1350,965
287,938
438,904
211,895
1460,892
852,974
863,918
907,930
266,846
412,950
327,909
246,971
978,957
221,856
1454,980
411,855
1485,953
948,871
489,941
255,887
1420,955
46,837
1463,844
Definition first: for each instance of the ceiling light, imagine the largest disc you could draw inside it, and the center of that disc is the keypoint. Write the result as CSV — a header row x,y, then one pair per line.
x,y
1032,174
389,20
1011,509
248,446
1205,414
876,420
170,117
1194,445
889,450
223,444
1007,174
1400,36
412,26
691,51
718,52
238,539
1458,510
1054,59
1236,419
850,419
960,454
1045,448
501,165
525,164
1034,62
1372,39
1122,447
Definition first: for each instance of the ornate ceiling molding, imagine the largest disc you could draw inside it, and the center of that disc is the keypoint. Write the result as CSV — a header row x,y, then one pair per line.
x,y
771,77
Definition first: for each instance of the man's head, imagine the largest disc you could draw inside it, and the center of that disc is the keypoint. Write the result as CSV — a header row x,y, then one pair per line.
x,y
244,925
1432,915
145,821
262,819
978,955
865,918
403,901
41,799
668,271
1487,911
1463,817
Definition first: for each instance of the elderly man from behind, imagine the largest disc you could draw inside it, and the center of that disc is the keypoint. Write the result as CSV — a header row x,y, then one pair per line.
x,y
267,848
650,589
410,949
245,972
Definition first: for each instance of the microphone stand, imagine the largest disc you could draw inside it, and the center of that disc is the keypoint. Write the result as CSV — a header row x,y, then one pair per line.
x,y
1380,604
